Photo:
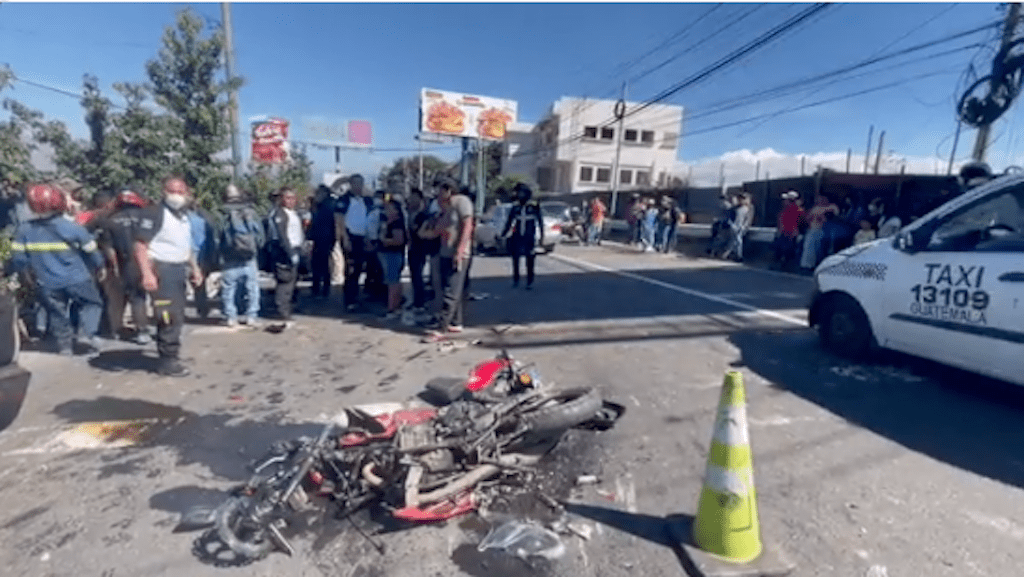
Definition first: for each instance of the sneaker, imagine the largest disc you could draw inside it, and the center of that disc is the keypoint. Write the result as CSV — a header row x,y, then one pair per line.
x,y
93,344
351,308
173,368
143,339
529,287
252,322
66,352
435,336
392,316
231,323
455,329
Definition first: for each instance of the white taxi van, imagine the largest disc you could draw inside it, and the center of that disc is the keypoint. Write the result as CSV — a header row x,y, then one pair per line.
x,y
948,287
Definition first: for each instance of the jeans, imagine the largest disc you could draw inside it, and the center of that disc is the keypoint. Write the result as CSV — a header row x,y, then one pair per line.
x,y
594,232
57,302
812,248
648,236
233,275
661,241
454,301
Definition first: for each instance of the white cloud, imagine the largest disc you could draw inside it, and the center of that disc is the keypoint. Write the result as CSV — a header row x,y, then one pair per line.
x,y
741,166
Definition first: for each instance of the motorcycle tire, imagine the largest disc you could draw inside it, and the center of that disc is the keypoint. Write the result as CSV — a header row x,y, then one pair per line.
x,y
244,546
564,410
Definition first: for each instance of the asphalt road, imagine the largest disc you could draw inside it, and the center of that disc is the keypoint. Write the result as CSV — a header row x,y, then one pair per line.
x,y
896,467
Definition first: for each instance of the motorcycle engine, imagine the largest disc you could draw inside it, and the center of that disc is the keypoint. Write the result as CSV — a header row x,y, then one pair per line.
x,y
423,435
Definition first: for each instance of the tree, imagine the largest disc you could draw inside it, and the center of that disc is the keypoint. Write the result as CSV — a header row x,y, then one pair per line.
x,y
15,144
183,80
144,140
408,170
500,187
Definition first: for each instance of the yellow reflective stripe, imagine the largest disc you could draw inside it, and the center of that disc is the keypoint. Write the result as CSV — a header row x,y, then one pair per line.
x,y
89,246
18,246
158,303
46,246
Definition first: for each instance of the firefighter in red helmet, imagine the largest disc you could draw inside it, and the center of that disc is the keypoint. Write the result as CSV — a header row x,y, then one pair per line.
x,y
61,257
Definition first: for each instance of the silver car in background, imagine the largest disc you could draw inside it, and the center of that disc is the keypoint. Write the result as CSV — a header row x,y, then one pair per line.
x,y
489,227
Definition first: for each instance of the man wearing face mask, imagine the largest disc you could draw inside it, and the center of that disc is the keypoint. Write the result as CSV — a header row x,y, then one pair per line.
x,y
163,251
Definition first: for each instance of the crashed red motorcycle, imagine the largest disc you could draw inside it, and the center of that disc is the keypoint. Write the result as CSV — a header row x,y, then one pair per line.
x,y
420,464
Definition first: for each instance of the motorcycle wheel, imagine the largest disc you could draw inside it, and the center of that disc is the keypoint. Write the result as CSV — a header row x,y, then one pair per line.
x,y
563,410
238,534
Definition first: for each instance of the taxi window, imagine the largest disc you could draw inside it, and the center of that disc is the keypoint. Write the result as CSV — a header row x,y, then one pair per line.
x,y
993,222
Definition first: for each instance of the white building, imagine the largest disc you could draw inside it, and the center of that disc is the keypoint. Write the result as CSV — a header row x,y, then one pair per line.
x,y
573,148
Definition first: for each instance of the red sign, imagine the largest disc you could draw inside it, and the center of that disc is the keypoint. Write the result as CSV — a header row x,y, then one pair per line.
x,y
270,141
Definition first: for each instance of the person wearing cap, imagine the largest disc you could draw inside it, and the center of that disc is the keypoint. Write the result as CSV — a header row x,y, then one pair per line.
x,y
241,239
166,261
787,229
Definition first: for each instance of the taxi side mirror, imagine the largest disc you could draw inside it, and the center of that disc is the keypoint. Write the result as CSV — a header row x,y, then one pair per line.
x,y
912,242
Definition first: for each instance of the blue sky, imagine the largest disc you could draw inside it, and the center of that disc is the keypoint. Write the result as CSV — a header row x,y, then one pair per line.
x,y
371,60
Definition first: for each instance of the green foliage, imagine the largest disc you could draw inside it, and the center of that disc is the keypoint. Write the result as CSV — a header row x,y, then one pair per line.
x,y
183,79
500,187
262,180
406,170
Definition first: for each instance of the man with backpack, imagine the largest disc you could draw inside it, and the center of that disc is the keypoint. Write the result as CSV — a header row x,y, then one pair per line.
x,y
242,237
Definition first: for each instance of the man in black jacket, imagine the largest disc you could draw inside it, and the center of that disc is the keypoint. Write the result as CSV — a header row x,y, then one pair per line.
x,y
522,230
324,236
285,237
351,214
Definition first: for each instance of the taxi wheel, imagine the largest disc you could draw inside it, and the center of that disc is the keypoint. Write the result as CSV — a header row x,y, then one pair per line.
x,y
844,328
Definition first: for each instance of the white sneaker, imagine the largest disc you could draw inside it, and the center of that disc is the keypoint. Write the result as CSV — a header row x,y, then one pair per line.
x,y
231,323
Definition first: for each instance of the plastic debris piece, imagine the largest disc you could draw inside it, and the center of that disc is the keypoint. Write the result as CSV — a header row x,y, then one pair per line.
x,y
582,530
523,539
586,480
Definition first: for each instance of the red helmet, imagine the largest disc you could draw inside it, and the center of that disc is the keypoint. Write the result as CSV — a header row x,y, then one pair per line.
x,y
130,198
44,199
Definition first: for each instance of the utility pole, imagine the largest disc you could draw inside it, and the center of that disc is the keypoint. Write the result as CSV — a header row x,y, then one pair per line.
x,y
1009,28
802,159
757,171
464,167
849,153
620,113
420,141
229,58
867,155
481,180
878,155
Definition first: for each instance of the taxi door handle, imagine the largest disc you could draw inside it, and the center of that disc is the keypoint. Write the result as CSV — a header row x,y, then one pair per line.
x,y
1012,277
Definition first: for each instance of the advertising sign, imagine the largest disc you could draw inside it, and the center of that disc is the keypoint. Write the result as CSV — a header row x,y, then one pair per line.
x,y
335,131
469,115
270,141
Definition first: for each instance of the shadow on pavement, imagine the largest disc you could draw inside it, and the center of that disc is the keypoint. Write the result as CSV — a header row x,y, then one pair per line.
x,y
965,420
125,360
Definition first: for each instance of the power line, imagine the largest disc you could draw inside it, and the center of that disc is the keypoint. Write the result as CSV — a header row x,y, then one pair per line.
x,y
735,56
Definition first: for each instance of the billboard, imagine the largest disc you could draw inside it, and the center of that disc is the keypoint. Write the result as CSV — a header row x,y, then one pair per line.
x,y
456,114
270,141
332,132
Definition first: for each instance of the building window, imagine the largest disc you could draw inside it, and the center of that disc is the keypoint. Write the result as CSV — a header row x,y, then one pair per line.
x,y
669,140
604,174
590,131
630,135
625,177
607,133
647,137
643,178
586,174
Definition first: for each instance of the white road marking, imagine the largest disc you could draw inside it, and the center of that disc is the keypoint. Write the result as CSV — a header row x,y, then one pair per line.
x,y
683,290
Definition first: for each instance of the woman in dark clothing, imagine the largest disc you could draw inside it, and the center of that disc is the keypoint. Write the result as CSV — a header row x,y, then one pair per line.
x,y
392,254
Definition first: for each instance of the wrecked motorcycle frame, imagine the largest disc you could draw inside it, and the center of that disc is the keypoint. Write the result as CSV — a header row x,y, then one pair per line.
x,y
420,464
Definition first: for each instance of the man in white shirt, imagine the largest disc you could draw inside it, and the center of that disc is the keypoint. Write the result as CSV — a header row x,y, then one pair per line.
x,y
163,251
351,214
285,236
